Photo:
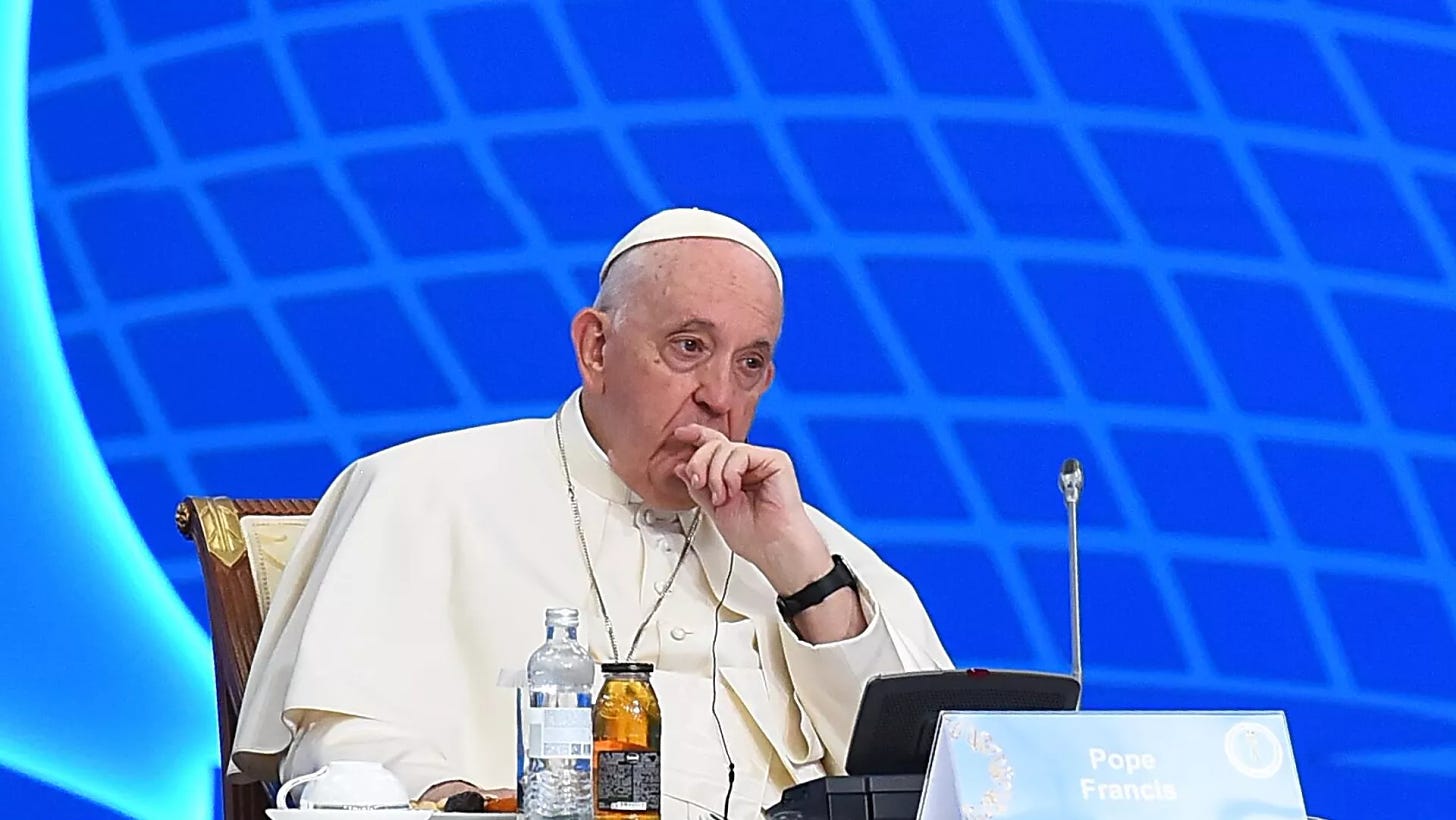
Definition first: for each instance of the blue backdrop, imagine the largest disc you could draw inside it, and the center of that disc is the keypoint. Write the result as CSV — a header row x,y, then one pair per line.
x,y
1207,247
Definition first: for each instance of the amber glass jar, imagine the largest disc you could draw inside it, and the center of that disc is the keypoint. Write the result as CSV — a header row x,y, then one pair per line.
x,y
627,734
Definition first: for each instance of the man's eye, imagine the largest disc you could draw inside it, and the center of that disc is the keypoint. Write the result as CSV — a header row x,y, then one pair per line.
x,y
690,345
753,363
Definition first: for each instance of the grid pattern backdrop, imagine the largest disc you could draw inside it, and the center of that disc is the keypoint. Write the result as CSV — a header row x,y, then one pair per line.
x,y
1207,247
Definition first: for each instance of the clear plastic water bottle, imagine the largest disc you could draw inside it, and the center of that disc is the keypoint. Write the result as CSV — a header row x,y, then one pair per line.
x,y
559,724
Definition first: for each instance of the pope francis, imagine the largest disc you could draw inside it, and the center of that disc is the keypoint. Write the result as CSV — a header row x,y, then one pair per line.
x,y
423,575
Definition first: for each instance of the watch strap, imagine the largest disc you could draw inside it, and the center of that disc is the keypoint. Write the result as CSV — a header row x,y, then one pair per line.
x,y
836,579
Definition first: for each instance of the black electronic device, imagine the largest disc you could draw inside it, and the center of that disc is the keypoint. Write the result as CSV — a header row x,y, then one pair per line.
x,y
852,798
895,727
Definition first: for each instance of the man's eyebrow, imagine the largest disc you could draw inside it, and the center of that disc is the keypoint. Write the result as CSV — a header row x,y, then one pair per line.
x,y
697,323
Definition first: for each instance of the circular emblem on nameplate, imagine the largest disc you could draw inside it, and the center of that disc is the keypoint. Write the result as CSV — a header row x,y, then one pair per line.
x,y
1253,749
996,799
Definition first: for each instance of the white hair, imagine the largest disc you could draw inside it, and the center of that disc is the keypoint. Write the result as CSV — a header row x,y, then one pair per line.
x,y
616,290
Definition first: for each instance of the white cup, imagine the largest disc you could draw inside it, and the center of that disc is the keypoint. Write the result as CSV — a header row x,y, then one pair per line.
x,y
347,784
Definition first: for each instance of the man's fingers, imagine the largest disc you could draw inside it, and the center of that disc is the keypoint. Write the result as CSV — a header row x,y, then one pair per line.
x,y
716,485
697,434
720,467
734,467
697,494
697,466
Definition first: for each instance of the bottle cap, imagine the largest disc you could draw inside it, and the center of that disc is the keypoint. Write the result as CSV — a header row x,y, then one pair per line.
x,y
562,616
626,668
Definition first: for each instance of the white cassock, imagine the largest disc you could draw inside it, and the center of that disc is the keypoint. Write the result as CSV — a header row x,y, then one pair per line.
x,y
425,574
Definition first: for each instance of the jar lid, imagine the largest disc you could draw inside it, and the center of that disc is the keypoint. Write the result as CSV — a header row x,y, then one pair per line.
x,y
627,668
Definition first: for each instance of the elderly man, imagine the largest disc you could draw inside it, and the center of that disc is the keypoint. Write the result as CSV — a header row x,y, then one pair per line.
x,y
426,569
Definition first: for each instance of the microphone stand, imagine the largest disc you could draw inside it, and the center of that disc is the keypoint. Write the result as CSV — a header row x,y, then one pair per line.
x,y
1070,482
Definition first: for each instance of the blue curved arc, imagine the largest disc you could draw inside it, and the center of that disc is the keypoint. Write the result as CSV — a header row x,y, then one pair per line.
x,y
108,695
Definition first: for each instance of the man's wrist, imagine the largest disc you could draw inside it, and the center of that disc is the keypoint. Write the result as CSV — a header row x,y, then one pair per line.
x,y
791,567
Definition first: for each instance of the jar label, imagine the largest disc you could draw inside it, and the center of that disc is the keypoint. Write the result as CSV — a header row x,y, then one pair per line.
x,y
559,732
629,781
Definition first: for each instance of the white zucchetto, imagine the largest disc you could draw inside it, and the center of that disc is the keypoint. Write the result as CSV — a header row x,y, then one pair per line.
x,y
692,223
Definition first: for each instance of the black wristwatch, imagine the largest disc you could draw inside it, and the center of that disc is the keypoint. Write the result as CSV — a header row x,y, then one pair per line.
x,y
837,578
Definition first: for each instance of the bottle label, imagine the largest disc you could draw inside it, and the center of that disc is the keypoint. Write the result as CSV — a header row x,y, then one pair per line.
x,y
559,732
629,781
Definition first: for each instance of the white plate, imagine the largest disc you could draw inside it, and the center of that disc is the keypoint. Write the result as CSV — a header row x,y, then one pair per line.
x,y
337,814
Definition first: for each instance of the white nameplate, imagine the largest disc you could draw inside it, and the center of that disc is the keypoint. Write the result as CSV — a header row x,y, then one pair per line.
x,y
1106,765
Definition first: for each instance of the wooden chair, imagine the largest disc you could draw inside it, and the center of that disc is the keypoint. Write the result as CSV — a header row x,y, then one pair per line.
x,y
243,545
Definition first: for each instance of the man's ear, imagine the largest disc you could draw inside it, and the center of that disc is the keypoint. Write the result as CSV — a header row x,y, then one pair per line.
x,y
589,336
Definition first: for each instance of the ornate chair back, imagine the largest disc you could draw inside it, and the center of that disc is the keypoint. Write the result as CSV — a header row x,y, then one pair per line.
x,y
243,545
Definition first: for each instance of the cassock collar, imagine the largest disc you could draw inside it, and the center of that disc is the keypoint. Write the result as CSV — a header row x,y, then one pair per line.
x,y
584,457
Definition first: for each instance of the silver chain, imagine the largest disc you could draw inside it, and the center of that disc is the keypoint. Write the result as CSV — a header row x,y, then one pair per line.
x,y
586,556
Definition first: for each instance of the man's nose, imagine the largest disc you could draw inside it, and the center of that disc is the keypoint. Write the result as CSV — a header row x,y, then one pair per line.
x,y
715,388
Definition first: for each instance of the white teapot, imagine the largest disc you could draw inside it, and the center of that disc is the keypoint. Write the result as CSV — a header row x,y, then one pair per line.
x,y
347,784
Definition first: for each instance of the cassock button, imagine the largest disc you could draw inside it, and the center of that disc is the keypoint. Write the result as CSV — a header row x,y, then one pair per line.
x,y
678,633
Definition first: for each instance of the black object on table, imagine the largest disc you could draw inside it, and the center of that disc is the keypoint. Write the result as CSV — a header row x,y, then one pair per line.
x,y
465,802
